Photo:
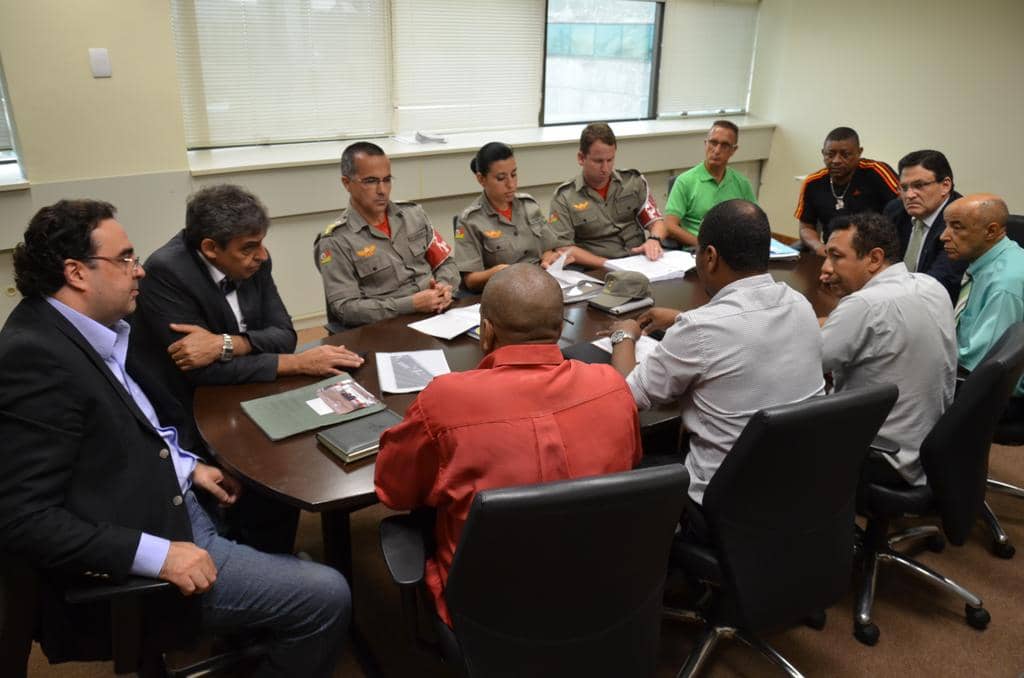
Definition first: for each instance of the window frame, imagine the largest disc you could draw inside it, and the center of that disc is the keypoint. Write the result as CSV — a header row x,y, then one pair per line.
x,y
652,94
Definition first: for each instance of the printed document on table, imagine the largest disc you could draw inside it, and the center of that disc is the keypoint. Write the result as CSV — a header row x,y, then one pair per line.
x,y
777,251
449,324
644,346
409,371
673,264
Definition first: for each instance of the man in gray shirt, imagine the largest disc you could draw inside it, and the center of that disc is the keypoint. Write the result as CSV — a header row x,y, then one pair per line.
x,y
724,361
891,326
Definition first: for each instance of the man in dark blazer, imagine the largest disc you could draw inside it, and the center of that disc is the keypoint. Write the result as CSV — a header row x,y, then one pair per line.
x,y
926,187
94,482
209,313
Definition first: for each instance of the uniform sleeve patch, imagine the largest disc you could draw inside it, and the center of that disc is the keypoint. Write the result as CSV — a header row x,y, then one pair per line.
x,y
460,233
553,218
326,257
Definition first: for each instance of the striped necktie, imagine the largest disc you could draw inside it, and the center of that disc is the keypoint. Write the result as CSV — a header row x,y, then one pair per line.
x,y
914,246
965,293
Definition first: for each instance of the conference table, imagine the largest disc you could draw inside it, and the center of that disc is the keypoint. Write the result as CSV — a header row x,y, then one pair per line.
x,y
301,473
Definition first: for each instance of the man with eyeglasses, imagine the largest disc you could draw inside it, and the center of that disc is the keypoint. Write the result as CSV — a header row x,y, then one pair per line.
x,y
926,187
700,188
848,184
381,259
100,470
209,313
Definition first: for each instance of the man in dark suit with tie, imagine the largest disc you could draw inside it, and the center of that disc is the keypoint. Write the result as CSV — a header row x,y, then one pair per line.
x,y
926,187
101,472
209,313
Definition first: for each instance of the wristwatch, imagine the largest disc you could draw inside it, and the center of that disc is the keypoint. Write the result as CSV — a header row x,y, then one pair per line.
x,y
619,336
654,237
227,349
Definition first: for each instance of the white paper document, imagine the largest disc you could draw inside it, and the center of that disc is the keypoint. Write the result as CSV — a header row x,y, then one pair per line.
x,y
673,264
449,324
644,346
575,286
320,407
409,371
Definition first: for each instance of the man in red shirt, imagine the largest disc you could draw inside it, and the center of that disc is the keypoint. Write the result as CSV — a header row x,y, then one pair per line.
x,y
525,415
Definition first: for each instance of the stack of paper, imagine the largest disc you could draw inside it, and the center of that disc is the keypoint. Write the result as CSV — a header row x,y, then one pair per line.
x,y
673,264
779,251
449,324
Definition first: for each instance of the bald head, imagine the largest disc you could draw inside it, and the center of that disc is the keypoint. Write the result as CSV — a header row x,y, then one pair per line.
x,y
974,223
522,304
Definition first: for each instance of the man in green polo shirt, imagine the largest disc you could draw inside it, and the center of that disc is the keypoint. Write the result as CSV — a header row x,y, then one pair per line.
x,y
700,188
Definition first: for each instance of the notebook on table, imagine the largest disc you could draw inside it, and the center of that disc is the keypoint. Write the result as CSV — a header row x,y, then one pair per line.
x,y
359,438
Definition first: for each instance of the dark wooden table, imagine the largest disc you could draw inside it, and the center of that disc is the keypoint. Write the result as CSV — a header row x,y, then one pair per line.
x,y
301,473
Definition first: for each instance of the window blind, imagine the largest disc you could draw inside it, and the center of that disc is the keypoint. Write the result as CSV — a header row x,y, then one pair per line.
x,y
5,129
275,71
707,55
467,64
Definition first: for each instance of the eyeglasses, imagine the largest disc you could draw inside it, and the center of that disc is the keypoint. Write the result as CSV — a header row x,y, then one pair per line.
x,y
724,145
375,181
916,186
131,263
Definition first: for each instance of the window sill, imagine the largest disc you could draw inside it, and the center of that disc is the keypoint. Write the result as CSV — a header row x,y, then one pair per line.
x,y
11,178
257,158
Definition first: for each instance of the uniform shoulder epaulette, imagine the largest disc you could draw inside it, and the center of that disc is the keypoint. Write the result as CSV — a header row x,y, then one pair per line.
x,y
337,222
566,184
527,196
406,203
631,172
475,207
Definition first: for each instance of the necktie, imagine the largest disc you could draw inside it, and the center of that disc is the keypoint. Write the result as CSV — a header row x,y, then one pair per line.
x,y
914,246
965,293
227,286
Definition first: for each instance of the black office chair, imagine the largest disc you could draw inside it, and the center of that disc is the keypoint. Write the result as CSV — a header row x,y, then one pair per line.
x,y
1015,228
1009,431
955,459
780,517
555,579
137,624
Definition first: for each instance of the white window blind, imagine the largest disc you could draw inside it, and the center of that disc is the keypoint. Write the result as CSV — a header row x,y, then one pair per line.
x,y
707,55
5,129
275,71
467,64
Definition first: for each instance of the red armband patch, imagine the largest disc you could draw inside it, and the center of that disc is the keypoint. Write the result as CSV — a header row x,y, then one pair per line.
x,y
438,251
648,212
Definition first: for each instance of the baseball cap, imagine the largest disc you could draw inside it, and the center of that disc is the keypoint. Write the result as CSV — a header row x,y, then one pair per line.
x,y
622,286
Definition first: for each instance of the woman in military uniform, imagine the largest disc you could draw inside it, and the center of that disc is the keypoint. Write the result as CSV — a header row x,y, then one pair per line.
x,y
501,227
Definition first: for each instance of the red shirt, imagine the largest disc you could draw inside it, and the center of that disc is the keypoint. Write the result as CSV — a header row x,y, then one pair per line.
x,y
525,415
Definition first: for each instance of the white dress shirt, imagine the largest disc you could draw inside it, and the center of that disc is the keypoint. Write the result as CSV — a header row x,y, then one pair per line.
x,y
927,221
754,345
898,329
231,297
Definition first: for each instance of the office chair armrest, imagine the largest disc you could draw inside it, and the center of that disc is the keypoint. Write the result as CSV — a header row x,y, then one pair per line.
x,y
884,446
85,591
401,540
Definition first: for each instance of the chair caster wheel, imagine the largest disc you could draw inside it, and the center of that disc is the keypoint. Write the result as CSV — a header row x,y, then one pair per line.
x,y
936,543
816,621
1003,549
866,633
977,617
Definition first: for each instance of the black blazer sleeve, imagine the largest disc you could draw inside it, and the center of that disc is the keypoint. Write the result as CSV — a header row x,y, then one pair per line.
x,y
270,330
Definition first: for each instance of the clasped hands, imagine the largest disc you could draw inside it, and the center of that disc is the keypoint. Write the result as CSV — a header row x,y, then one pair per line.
x,y
434,299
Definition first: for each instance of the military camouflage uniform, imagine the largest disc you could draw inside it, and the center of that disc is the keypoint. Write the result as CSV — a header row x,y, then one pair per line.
x,y
484,238
369,277
607,228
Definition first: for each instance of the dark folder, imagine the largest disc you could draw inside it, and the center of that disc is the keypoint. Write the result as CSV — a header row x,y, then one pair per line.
x,y
358,438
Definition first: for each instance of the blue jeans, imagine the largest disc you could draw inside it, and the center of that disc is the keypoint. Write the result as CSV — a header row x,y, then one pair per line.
x,y
304,606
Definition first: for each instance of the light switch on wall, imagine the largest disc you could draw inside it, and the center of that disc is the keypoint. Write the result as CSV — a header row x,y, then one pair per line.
x,y
99,62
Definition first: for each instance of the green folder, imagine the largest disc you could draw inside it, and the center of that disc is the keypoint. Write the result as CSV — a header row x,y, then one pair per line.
x,y
285,414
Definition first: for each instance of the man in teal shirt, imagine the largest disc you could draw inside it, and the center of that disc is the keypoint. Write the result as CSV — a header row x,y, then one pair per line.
x,y
700,188
992,291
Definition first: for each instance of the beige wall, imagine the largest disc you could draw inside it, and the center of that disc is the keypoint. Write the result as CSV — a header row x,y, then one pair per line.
x,y
73,126
908,74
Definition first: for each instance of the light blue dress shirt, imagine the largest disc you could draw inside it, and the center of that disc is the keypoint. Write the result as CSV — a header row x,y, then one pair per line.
x,y
111,344
996,301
